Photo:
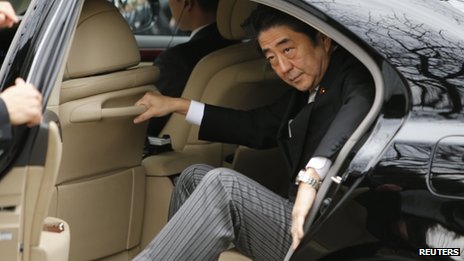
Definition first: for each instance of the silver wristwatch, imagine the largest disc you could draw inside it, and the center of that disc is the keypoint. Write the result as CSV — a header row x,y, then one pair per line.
x,y
304,176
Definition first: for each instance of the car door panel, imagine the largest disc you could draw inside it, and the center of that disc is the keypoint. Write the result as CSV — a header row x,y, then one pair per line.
x,y
100,190
11,198
25,195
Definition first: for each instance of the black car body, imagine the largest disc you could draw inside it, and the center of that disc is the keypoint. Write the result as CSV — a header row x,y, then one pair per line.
x,y
395,188
412,163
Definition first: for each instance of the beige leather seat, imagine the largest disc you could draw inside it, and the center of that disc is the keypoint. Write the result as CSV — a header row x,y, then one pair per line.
x,y
236,76
100,190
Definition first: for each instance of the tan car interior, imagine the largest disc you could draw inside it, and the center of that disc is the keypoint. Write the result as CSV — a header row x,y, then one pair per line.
x,y
25,194
110,201
236,77
100,189
114,203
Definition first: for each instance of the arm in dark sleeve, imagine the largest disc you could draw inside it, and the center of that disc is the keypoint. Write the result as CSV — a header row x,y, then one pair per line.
x,y
255,128
171,82
358,93
174,73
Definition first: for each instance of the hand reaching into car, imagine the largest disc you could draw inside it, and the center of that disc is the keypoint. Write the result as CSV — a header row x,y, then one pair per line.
x,y
159,105
24,103
7,14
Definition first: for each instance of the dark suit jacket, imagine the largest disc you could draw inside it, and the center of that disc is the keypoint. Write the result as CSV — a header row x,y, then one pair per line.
x,y
317,129
177,63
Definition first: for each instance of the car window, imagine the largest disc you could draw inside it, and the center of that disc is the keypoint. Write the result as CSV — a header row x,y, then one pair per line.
x,y
148,17
7,34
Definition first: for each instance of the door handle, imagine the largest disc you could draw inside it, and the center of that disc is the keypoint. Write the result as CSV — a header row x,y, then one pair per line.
x,y
122,111
95,112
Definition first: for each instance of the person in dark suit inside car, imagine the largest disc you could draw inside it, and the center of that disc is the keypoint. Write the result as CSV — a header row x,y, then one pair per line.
x,y
211,207
177,63
21,103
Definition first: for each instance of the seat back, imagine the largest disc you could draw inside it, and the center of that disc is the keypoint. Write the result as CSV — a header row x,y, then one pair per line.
x,y
100,189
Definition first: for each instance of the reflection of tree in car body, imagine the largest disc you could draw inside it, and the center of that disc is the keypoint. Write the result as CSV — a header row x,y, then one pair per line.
x,y
146,16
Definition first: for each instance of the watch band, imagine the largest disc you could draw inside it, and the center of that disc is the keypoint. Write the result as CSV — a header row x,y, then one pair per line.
x,y
304,177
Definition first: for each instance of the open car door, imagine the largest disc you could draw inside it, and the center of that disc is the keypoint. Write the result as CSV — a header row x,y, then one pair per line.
x,y
29,162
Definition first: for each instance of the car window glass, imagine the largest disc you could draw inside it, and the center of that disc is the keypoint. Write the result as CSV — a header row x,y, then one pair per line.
x,y
7,34
148,17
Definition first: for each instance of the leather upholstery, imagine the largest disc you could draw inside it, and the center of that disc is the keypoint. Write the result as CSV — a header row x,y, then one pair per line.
x,y
230,16
112,50
100,189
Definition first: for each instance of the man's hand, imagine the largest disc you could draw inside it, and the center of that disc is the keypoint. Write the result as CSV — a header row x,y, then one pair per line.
x,y
304,200
24,103
7,14
158,106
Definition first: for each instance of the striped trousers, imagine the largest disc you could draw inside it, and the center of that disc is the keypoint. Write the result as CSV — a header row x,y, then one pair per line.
x,y
212,208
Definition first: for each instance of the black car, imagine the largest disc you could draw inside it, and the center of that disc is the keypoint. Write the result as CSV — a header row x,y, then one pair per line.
x,y
407,175
394,192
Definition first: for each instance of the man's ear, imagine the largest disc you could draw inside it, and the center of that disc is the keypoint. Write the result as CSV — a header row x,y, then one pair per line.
x,y
188,4
325,41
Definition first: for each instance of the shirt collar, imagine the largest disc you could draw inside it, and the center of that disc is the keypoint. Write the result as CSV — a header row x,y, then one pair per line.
x,y
312,94
194,32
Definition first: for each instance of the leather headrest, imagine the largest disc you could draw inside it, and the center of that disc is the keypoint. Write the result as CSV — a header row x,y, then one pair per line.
x,y
230,16
103,42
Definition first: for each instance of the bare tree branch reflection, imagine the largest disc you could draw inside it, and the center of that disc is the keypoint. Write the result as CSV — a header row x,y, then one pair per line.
x,y
429,57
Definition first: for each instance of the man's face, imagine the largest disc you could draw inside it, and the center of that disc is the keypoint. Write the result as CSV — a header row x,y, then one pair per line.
x,y
294,57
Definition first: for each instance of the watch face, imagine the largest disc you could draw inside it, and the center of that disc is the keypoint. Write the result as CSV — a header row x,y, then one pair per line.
x,y
303,176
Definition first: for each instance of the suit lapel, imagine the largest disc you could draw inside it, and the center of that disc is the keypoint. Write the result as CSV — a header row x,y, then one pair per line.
x,y
299,128
304,137
294,135
292,132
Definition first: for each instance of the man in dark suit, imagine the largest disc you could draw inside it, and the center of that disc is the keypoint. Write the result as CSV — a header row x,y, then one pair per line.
x,y
332,92
177,63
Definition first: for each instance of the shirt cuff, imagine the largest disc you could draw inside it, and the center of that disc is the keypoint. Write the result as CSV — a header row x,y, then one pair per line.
x,y
195,113
320,164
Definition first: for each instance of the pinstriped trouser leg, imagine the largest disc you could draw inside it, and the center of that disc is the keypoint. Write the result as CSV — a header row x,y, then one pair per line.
x,y
186,183
225,207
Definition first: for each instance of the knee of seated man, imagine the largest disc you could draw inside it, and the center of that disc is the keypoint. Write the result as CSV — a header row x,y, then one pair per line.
x,y
223,175
193,173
